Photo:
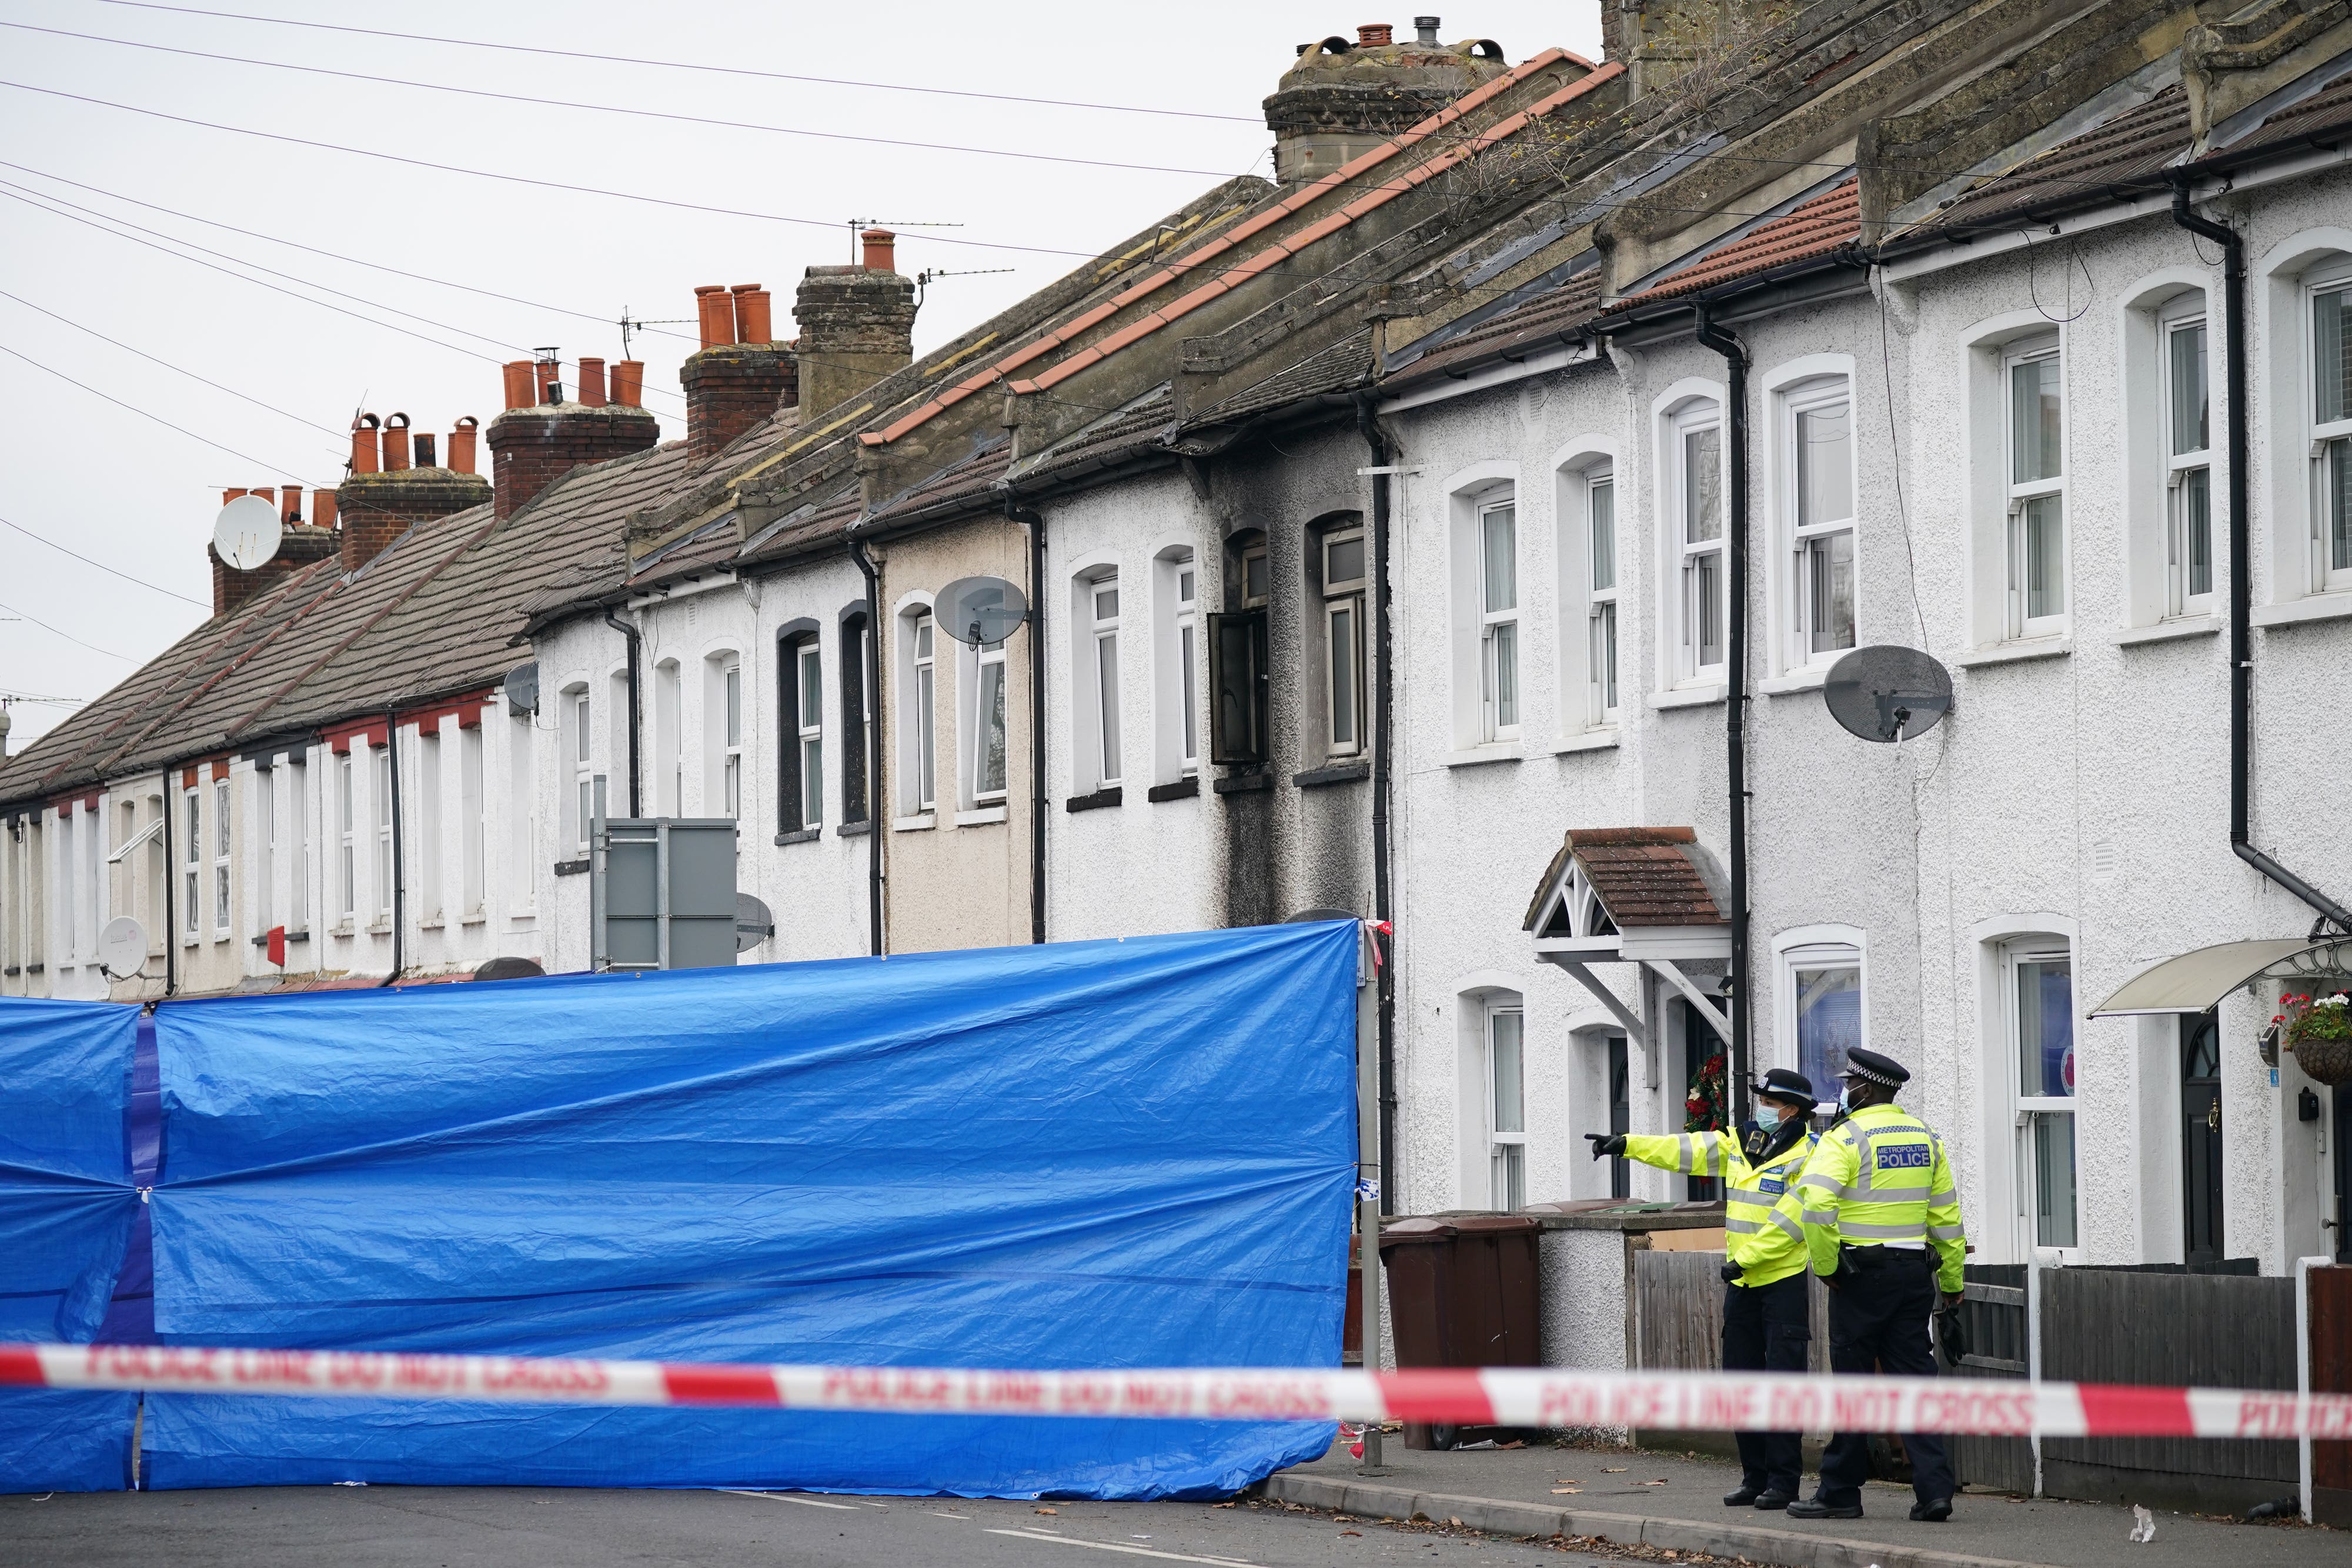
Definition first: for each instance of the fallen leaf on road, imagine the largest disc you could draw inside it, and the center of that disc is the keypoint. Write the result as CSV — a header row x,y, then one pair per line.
x,y
1658,1483
1613,1469
1224,1505
1356,1533
1566,1481
1514,1443
1049,1510
1566,1491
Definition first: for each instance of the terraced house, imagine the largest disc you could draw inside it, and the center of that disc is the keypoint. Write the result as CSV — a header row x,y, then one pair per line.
x,y
1455,531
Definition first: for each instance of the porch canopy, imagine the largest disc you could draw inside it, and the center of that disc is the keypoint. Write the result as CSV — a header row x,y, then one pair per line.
x,y
2197,981
1629,895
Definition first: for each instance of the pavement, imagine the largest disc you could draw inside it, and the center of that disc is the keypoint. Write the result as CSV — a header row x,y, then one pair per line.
x,y
1674,1501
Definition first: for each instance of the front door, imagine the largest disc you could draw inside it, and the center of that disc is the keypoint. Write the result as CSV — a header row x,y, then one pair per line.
x,y
1707,1095
2200,1138
1621,1115
2339,1128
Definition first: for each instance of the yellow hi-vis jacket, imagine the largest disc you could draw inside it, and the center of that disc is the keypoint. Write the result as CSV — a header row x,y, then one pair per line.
x,y
1766,1245
1879,1175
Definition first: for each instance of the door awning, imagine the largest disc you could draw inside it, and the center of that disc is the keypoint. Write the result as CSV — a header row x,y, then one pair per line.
x,y
1627,893
2196,981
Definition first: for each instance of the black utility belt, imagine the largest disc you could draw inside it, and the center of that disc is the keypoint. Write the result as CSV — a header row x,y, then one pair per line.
x,y
1884,1257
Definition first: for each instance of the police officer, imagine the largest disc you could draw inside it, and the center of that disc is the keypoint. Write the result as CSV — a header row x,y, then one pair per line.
x,y
1765,1325
1882,1224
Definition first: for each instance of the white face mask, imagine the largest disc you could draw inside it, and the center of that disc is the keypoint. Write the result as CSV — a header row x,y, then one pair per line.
x,y
1845,1099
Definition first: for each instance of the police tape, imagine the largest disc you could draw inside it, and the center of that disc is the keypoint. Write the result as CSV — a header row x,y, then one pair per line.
x,y
1705,1401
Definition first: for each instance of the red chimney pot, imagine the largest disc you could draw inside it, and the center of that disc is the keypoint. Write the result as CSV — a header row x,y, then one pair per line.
x,y
881,250
716,312
1375,35
289,509
364,459
751,315
592,381
395,443
629,384
461,444
517,374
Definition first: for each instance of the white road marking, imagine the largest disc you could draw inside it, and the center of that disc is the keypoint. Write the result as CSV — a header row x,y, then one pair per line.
x,y
788,1497
934,1513
1119,1546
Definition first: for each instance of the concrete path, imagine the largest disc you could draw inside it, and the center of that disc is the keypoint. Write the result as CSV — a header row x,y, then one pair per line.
x,y
1523,1492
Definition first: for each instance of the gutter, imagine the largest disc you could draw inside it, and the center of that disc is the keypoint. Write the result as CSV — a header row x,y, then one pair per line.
x,y
875,822
1036,524
636,644
1383,687
2241,564
1735,714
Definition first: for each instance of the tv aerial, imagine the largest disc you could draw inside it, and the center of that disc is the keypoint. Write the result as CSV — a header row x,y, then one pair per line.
x,y
1888,693
980,611
247,532
122,948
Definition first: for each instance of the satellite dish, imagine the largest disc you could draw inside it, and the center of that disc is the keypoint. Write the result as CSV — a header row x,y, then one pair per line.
x,y
980,611
521,688
122,948
1888,693
753,924
247,532
508,969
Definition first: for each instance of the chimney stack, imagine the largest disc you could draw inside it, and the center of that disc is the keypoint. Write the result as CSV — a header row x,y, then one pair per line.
x,y
857,324
298,547
534,443
740,377
377,507
1338,100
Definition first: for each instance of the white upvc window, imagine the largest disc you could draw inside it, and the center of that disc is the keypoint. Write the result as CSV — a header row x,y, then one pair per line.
x,y
2036,542
383,828
192,857
1820,505
731,738
1695,476
1600,545
296,810
1188,660
2331,436
1821,1011
1100,595
473,828
267,848
220,857
429,834
923,709
669,739
2188,467
1498,630
347,867
2038,993
583,770
985,736
68,875
808,728
1507,1117
1346,571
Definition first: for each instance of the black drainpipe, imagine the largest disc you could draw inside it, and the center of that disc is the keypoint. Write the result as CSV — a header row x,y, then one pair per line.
x,y
877,822
1036,524
171,876
2241,564
1377,443
1735,724
399,858
629,632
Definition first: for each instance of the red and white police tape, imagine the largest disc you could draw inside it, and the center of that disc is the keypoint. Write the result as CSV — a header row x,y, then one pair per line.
x,y
1513,1396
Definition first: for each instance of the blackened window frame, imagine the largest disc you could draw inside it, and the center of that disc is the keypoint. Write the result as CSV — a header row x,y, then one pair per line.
x,y
854,680
790,639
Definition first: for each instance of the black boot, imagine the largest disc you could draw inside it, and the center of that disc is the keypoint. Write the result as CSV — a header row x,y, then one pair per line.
x,y
1933,1512
1772,1498
1814,1508
1744,1496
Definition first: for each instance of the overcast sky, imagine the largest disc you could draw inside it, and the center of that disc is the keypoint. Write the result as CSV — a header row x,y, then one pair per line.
x,y
138,497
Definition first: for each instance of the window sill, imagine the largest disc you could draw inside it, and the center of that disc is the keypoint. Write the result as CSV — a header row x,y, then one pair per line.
x,y
915,824
1243,783
2018,653
476,918
571,868
2312,607
980,816
1096,802
1337,773
1478,756
379,927
432,926
2168,630
1182,790
853,829
800,836
1811,679
1595,739
517,922
1685,696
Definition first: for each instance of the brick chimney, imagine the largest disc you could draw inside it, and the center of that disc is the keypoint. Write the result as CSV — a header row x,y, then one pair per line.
x,y
1340,99
857,324
740,375
298,546
535,441
386,494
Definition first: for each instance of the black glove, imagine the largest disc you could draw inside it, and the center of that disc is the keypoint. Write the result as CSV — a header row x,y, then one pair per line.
x,y
1606,1143
1731,1272
1951,1335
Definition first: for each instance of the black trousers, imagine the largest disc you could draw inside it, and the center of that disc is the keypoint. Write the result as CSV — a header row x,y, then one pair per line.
x,y
1764,1329
1878,1322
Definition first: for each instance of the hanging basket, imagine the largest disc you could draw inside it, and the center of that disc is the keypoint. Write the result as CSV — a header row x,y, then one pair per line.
x,y
2320,1033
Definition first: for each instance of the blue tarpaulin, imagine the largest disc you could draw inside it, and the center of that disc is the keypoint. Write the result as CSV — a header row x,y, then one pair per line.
x,y
1091,1155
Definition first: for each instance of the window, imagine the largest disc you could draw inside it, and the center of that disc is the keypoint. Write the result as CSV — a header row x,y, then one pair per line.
x,y
2331,436
1239,675
1694,473
429,830
670,743
1601,529
1176,666
1100,595
1188,660
856,713
68,873
581,801
1819,502
1498,635
295,807
2189,473
1506,1107
347,880
192,878
800,796
1345,569
1821,987
730,769
2036,545
384,829
220,856
921,706
266,846
985,746
473,831
521,870
808,732
2040,993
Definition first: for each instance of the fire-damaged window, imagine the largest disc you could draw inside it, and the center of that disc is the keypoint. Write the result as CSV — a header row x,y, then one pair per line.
x,y
856,665
799,707
1342,567
1238,675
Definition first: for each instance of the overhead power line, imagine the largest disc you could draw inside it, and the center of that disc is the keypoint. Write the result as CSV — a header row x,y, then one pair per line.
x,y
158,418
619,107
691,66
111,570
68,636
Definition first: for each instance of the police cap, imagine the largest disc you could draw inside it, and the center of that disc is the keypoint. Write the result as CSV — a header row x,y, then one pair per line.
x,y
1786,1083
1872,1068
